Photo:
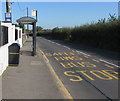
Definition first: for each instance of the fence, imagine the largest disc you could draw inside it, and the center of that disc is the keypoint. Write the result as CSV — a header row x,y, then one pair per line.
x,y
9,34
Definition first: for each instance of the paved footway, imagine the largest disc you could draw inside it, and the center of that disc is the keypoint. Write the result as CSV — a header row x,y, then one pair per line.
x,y
32,79
85,76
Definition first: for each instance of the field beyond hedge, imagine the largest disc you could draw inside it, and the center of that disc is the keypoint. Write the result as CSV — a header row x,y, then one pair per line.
x,y
103,34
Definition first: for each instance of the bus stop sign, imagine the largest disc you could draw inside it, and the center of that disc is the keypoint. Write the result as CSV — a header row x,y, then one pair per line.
x,y
8,17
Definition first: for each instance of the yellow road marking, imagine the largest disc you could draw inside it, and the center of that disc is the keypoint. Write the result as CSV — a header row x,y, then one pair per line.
x,y
88,64
86,56
107,72
109,66
56,58
94,73
66,53
68,58
83,72
60,85
77,64
95,60
74,65
62,53
78,78
81,64
68,65
104,75
72,53
55,54
63,65
48,54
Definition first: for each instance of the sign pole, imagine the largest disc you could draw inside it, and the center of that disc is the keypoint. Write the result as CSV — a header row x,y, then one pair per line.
x,y
34,39
8,11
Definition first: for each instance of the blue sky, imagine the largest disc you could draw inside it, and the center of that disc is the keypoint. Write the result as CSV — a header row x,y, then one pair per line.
x,y
64,14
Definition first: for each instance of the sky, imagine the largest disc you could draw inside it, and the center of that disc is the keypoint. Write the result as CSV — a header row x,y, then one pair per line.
x,y
63,0
63,14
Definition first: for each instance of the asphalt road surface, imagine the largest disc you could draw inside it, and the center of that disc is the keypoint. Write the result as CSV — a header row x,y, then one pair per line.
x,y
85,75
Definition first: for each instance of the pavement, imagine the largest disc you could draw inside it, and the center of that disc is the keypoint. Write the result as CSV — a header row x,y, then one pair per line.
x,y
31,79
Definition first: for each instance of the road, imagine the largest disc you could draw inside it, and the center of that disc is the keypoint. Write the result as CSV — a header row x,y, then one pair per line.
x,y
84,74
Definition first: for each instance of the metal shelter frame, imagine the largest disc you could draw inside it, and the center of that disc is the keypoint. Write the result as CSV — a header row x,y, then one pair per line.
x,y
31,21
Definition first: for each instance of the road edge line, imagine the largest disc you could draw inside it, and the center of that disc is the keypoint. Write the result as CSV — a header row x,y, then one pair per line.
x,y
66,94
109,63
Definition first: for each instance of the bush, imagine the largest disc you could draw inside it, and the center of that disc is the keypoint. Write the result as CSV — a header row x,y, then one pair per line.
x,y
104,34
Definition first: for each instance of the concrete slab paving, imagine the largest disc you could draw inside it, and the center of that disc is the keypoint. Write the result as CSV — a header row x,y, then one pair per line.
x,y
32,79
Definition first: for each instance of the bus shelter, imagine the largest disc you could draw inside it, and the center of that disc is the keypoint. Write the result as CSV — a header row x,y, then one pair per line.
x,y
31,21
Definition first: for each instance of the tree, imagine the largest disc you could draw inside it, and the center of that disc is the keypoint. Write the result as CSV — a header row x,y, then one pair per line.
x,y
112,17
55,29
21,26
39,28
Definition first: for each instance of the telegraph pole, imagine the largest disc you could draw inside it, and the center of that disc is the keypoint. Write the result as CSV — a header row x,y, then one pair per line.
x,y
27,24
8,6
119,10
27,11
36,15
8,16
27,16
